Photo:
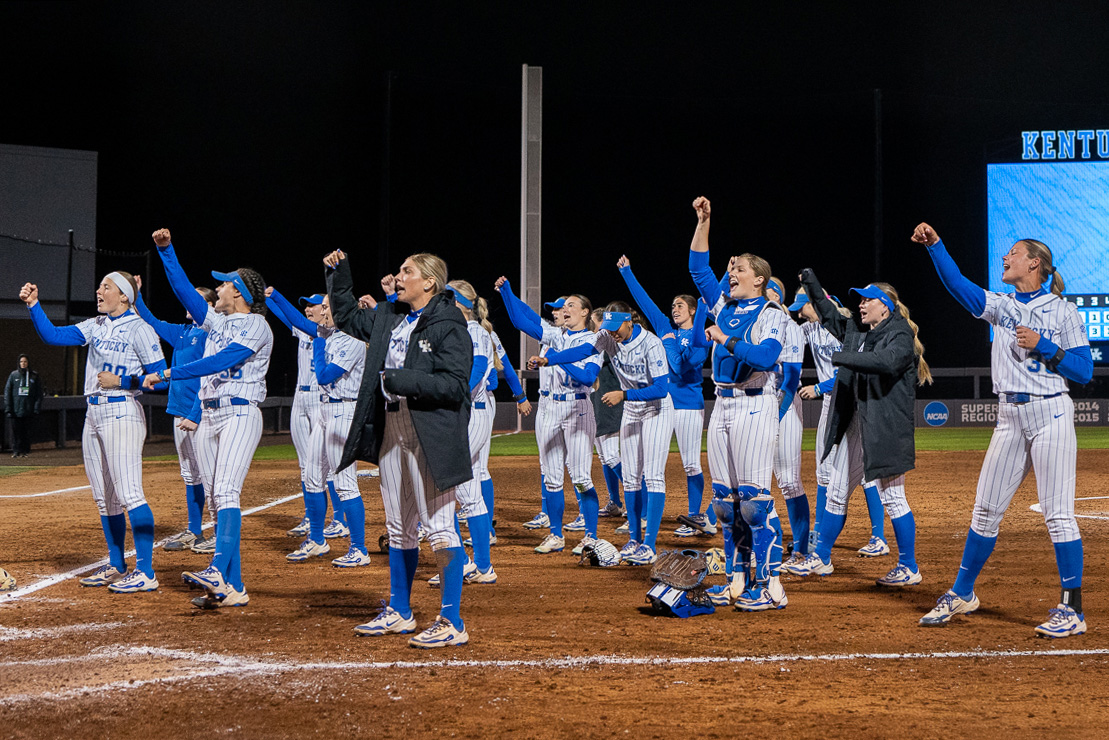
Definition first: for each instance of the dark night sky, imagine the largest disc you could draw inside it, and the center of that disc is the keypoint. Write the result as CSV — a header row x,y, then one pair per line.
x,y
255,132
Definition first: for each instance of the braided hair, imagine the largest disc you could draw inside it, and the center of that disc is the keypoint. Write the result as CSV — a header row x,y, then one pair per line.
x,y
257,287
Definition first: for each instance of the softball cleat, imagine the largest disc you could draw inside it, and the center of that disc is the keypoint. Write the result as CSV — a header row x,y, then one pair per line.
x,y
308,549
133,583
354,558
1064,622
232,598
205,546
180,542
948,606
467,570
539,521
578,525
210,579
300,530
440,634
388,622
107,574
551,543
900,576
876,548
812,565
481,577
335,530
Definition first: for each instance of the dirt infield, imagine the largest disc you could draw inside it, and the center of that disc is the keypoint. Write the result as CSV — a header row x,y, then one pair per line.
x,y
556,650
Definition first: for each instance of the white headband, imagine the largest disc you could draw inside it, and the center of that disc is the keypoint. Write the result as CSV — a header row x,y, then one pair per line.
x,y
123,284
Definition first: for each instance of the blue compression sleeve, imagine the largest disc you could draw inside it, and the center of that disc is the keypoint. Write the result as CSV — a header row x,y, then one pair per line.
x,y
586,375
700,317
59,336
512,378
658,388
761,356
289,314
193,302
970,296
157,367
520,313
326,372
572,355
227,358
658,319
1077,363
704,278
477,370
170,333
791,381
826,386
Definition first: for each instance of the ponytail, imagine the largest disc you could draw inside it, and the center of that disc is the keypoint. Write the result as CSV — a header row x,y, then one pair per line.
x,y
923,372
1038,250
479,312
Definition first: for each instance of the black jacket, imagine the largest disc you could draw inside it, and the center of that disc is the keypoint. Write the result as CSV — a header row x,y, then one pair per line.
x,y
609,418
879,383
435,379
20,406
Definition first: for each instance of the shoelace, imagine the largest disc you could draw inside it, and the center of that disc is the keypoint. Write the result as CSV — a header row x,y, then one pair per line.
x,y
1058,616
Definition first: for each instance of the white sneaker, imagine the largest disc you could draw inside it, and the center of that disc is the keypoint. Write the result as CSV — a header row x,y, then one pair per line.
x,y
335,529
586,541
550,544
477,576
948,606
180,541
795,558
134,582
206,546
623,528
468,569
389,621
727,594
900,576
628,549
539,521
875,548
209,579
232,598
578,525
300,530
1064,622
812,565
760,599
308,549
441,633
354,558
105,575
643,555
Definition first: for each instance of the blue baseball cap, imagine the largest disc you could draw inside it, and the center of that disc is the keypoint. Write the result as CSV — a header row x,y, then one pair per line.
x,y
312,300
460,298
800,302
613,320
556,304
873,291
234,279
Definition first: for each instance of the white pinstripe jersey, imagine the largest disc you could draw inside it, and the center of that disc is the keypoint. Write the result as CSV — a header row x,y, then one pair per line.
x,y
247,380
398,349
822,345
125,345
483,347
306,366
638,361
1017,370
560,339
771,324
793,350
350,354
546,372
498,348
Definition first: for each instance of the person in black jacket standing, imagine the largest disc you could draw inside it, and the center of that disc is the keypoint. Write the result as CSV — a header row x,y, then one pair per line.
x,y
873,419
415,397
22,402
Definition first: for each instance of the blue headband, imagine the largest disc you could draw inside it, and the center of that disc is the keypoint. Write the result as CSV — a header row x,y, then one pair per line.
x,y
461,298
873,291
234,279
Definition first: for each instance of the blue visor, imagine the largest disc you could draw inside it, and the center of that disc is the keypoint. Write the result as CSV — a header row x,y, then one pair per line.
x,y
556,304
873,291
458,297
613,320
312,300
800,302
234,279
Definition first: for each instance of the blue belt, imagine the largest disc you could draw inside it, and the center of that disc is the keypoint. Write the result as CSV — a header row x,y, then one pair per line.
x,y
479,404
392,406
304,388
564,396
733,392
96,400
1019,398
215,403
328,399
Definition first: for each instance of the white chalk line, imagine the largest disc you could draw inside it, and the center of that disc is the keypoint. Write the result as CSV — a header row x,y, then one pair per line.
x,y
1040,510
240,666
48,493
8,634
61,577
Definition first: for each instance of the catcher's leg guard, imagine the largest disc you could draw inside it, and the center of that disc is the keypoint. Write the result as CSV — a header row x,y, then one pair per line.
x,y
724,507
755,510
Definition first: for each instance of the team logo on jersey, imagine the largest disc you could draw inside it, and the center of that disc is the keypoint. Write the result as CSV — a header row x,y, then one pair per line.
x,y
425,345
935,414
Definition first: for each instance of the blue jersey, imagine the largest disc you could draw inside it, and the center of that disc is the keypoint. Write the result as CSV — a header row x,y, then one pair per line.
x,y
187,341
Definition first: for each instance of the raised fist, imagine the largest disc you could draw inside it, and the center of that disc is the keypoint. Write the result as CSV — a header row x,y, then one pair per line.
x,y
623,262
332,260
925,234
29,294
389,284
500,281
703,208
161,237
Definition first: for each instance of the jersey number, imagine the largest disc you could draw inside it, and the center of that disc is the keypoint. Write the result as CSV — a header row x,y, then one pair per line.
x,y
228,375
1033,365
119,370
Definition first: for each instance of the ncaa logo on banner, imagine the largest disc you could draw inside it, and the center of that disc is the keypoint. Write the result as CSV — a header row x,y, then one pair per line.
x,y
935,414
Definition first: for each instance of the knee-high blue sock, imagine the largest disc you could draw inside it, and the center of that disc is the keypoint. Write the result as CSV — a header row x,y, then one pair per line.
x,y
543,494
612,483
877,512
636,501
458,528
695,489
656,503
316,502
797,509
354,512
229,523
590,506
304,492
115,534
821,505
976,552
234,573
142,529
194,504
710,512
618,468
337,512
830,529
480,527
402,569
451,561
556,509
1068,558
487,496
904,531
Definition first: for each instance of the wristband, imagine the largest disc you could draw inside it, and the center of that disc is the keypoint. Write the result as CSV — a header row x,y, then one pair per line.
x,y
520,398
162,375
731,343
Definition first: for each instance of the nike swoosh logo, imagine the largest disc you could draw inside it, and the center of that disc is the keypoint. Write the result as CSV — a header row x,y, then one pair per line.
x,y
749,413
1068,579
1058,415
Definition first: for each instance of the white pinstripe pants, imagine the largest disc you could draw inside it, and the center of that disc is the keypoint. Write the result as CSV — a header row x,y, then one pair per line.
x,y
1037,436
408,488
491,405
565,432
847,473
470,501
743,435
225,443
823,467
328,438
304,419
608,449
111,445
186,453
787,455
645,443
689,424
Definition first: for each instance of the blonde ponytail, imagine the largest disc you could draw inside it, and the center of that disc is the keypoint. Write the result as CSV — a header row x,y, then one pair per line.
x,y
1038,250
479,313
923,372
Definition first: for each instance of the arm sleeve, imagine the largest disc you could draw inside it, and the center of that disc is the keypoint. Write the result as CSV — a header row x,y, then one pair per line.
x,y
193,302
520,313
449,383
791,381
155,367
658,388
512,379
830,317
289,314
892,359
826,386
227,358
577,353
762,356
344,305
326,372
970,296
585,375
658,320
59,336
169,333
194,411
706,282
1077,363
699,320
477,370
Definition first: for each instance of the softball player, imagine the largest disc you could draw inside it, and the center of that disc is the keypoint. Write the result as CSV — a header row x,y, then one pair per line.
x,y
823,345
121,348
308,411
639,360
607,441
187,341
567,425
1039,342
871,429
541,520
743,429
686,362
232,383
